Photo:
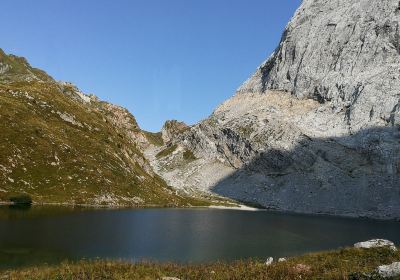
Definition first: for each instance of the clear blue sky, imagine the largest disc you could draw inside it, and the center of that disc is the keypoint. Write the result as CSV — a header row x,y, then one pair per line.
x,y
161,59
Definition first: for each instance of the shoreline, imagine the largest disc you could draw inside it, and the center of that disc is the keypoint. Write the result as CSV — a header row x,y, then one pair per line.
x,y
237,207
342,263
240,207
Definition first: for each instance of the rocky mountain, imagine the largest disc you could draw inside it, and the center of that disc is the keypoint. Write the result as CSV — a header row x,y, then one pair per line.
x,y
316,129
59,145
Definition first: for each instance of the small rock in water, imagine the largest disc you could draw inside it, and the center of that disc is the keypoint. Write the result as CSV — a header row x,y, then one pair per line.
x,y
269,261
281,260
392,270
376,243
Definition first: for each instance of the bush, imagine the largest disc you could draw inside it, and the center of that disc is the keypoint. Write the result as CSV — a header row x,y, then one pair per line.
x,y
188,155
21,199
166,152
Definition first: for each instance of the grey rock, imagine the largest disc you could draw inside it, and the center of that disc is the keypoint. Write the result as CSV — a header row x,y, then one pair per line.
x,y
376,243
343,52
269,261
171,128
388,271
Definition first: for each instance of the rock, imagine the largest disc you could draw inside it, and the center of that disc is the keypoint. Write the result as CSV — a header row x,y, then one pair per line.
x,y
376,243
170,278
269,261
342,52
281,260
171,128
316,128
387,271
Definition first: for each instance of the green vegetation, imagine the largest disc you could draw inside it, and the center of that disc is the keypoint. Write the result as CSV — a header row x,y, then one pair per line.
x,y
56,148
188,155
21,199
341,264
167,151
154,138
245,131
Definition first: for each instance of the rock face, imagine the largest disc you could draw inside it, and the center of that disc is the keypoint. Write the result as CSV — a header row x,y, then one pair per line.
x,y
343,52
59,145
316,128
171,128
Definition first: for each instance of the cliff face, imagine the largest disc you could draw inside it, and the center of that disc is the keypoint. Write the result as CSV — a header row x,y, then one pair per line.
x,y
316,128
343,52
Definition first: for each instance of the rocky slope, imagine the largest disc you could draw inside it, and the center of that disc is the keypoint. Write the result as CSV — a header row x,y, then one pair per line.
x,y
316,128
59,145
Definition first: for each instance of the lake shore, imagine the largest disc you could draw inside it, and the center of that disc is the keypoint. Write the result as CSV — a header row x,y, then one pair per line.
x,y
348,263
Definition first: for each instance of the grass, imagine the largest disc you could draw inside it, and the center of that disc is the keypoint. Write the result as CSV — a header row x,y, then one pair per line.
x,y
154,138
167,151
59,150
348,263
188,155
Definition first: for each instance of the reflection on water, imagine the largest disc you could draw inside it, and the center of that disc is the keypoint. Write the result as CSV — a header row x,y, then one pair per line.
x,y
42,234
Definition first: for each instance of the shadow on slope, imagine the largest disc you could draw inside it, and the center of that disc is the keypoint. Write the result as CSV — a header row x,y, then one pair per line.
x,y
356,175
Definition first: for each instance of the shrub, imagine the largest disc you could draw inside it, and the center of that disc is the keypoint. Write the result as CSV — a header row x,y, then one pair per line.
x,y
188,155
21,199
167,151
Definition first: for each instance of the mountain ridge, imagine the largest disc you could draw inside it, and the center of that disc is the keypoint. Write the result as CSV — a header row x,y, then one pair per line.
x,y
60,145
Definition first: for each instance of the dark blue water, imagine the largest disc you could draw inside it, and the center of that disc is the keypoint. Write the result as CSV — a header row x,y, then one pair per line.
x,y
51,235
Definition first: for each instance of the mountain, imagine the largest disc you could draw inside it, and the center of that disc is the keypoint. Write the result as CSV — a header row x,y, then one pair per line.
x,y
316,129
59,145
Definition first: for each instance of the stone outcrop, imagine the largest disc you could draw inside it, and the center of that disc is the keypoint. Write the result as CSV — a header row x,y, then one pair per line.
x,y
316,128
171,129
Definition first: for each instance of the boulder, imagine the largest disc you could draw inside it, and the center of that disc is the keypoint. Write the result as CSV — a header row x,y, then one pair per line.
x,y
376,243
269,261
391,270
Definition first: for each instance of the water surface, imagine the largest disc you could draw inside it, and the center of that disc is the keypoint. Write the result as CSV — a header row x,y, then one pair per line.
x,y
39,235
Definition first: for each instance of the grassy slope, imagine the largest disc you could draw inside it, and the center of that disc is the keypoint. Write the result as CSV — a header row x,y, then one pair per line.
x,y
91,161
340,264
154,138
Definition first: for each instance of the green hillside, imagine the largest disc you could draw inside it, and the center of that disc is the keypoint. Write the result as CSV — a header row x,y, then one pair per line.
x,y
60,146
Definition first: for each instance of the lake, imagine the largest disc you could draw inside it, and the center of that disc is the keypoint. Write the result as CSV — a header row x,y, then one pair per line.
x,y
52,234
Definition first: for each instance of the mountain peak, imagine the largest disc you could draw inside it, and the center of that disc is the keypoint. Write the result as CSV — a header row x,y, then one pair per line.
x,y
16,69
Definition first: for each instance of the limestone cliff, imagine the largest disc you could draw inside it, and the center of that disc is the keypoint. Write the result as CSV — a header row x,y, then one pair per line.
x,y
316,128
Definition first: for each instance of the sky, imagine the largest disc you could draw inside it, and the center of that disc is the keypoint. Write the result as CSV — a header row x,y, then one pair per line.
x,y
160,59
